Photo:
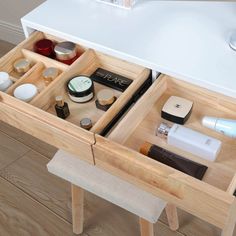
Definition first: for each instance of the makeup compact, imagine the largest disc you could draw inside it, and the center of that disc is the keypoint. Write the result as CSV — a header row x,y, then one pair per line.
x,y
50,74
44,47
22,65
177,110
105,98
66,52
86,123
25,92
80,89
5,81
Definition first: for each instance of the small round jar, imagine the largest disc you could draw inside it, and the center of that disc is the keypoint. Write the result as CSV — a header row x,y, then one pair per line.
x,y
5,81
21,66
45,47
50,74
66,52
80,89
25,92
106,97
86,123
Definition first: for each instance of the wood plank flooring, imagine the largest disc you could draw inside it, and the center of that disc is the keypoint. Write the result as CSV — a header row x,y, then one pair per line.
x,y
34,202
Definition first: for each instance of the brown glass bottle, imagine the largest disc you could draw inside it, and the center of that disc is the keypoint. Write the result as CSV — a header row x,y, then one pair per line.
x,y
62,108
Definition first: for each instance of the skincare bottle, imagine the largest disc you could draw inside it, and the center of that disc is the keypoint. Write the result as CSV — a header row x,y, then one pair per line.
x,y
191,141
224,126
62,108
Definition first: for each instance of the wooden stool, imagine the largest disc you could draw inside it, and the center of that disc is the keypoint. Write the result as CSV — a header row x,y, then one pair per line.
x,y
84,176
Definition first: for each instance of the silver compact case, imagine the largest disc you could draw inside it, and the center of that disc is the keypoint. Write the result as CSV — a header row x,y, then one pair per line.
x,y
80,89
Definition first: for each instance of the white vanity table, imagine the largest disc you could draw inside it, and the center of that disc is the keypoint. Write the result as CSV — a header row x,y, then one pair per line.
x,y
186,40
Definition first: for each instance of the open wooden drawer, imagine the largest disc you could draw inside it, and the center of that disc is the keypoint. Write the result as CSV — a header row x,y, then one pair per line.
x,y
210,199
38,117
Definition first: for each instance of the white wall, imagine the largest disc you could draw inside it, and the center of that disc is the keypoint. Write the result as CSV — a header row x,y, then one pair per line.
x,y
10,13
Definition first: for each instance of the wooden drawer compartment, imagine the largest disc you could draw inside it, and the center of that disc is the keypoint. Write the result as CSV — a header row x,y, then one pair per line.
x,y
210,199
38,117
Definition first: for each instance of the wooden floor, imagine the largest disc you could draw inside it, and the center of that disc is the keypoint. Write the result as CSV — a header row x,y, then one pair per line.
x,y
34,202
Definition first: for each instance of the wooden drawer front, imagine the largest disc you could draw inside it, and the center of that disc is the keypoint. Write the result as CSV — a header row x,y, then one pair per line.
x,y
38,117
210,199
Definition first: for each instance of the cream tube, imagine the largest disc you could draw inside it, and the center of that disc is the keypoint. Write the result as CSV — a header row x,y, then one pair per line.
x,y
220,125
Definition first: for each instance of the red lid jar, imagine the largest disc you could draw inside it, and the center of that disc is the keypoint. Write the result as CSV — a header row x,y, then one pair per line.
x,y
44,47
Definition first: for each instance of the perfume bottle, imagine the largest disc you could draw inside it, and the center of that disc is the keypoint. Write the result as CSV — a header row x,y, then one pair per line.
x,y
191,141
62,108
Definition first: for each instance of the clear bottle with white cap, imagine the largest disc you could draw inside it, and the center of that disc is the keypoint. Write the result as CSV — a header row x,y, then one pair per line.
x,y
191,141
220,125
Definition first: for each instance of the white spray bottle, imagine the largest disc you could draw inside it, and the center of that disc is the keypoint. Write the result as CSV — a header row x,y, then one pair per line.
x,y
220,125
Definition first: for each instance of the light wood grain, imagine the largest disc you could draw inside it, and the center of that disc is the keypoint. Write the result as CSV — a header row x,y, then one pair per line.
x,y
172,216
140,125
28,140
10,150
77,194
21,215
146,228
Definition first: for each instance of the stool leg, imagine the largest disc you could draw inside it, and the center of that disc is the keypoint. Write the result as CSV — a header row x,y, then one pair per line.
x,y
172,216
146,228
77,194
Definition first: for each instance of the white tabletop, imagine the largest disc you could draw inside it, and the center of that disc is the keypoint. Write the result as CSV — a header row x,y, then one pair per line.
x,y
188,40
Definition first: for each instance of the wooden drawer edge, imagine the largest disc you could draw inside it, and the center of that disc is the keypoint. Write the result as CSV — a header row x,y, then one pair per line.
x,y
194,196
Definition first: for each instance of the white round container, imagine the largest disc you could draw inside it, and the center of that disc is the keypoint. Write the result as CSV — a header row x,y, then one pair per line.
x,y
5,81
26,92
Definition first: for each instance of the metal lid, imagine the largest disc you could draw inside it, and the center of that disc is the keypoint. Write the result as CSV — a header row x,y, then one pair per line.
x,y
22,65
50,73
86,123
163,130
65,51
106,97
59,101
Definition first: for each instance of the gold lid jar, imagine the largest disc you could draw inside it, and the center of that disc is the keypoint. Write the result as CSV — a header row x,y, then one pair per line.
x,y
65,51
22,65
49,74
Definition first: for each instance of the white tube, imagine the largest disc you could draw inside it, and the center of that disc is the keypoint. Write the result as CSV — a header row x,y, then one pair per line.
x,y
224,126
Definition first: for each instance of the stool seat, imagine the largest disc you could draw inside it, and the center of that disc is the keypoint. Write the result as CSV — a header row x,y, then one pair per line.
x,y
106,186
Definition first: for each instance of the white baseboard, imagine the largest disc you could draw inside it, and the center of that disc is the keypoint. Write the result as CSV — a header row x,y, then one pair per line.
x,y
11,33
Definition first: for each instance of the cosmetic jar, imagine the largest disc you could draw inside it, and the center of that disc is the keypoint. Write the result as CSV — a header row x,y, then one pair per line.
x,y
22,65
86,123
45,47
80,89
105,98
50,74
66,52
5,81
25,92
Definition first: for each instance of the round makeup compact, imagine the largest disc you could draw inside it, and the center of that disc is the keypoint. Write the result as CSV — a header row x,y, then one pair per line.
x,y
22,65
81,89
25,92
5,81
